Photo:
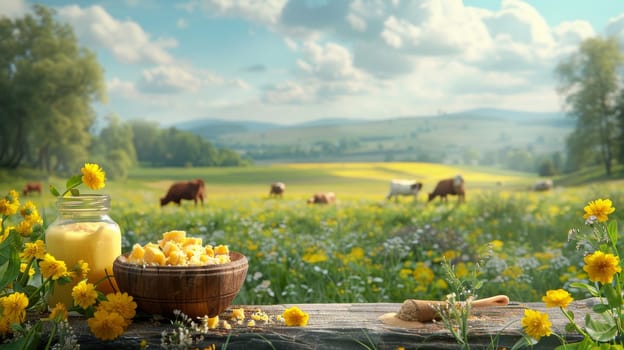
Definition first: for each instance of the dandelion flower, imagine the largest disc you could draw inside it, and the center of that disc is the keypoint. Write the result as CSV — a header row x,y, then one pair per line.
x,y
601,267
35,250
84,294
80,270
52,268
121,303
557,298
93,176
59,312
24,228
536,324
600,208
14,307
106,325
295,317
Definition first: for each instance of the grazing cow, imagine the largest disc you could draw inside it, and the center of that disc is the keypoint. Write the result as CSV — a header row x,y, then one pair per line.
x,y
277,189
452,186
323,198
191,190
543,185
32,187
403,188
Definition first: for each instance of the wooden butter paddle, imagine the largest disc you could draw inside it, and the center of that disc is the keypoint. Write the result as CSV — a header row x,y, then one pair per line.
x,y
414,311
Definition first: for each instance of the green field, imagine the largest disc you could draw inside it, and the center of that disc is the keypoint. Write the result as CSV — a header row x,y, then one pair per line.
x,y
364,248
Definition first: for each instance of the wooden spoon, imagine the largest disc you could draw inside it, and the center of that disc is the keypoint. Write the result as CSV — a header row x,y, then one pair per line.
x,y
427,310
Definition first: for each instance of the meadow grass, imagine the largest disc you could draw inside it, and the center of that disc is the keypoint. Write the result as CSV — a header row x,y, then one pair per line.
x,y
364,248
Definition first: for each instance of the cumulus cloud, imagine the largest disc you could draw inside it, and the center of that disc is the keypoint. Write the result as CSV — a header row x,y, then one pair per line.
x,y
168,79
13,8
615,28
264,12
127,41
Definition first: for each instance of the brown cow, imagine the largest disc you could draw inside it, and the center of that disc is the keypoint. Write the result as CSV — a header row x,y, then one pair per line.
x,y
277,189
453,186
32,187
191,190
323,198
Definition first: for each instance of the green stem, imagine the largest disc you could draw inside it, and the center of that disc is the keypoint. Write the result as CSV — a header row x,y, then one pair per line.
x,y
578,329
52,333
25,275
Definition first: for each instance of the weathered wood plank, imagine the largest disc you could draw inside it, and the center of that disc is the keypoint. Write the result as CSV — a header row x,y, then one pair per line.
x,y
347,326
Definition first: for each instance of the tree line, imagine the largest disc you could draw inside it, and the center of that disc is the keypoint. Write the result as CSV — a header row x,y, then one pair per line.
x,y
47,86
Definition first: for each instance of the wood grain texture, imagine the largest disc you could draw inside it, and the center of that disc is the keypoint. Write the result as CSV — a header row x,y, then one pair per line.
x,y
348,326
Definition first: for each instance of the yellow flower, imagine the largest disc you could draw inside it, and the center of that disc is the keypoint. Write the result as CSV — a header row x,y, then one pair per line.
x,y
7,207
29,212
59,312
14,307
31,271
121,303
423,274
35,250
106,325
315,256
24,228
295,317
600,208
52,268
84,294
601,267
536,324
93,176
559,297
80,270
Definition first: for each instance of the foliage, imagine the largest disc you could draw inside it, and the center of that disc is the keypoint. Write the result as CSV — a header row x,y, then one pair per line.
x,y
599,245
46,86
589,83
30,274
172,147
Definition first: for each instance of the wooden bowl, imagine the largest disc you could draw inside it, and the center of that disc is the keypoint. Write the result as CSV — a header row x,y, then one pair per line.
x,y
197,291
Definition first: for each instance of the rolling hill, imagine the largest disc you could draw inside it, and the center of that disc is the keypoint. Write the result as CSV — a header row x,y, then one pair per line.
x,y
466,137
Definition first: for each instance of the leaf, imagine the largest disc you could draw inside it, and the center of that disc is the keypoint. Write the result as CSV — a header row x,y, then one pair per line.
x,y
591,289
614,299
601,308
600,331
10,269
73,181
612,232
54,191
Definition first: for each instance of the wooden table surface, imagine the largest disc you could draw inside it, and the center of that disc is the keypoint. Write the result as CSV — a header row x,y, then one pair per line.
x,y
346,326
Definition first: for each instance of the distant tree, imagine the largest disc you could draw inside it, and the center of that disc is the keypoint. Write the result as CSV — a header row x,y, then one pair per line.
x,y
114,149
47,83
547,168
589,83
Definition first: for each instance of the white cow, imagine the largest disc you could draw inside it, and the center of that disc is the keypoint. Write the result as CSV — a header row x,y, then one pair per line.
x,y
403,188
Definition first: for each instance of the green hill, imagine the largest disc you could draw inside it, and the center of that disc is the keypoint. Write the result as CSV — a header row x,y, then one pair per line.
x,y
473,137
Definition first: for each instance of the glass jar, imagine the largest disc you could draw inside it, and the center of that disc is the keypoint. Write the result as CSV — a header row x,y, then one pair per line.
x,y
84,231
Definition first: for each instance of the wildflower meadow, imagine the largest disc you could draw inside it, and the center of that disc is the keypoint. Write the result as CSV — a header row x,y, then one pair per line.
x,y
366,248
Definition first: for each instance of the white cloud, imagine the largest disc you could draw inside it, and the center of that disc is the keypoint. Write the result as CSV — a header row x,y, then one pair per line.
x,y
128,42
287,93
329,62
168,79
615,28
13,8
266,12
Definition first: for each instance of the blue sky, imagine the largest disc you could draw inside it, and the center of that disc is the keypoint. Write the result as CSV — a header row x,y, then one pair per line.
x,y
291,61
